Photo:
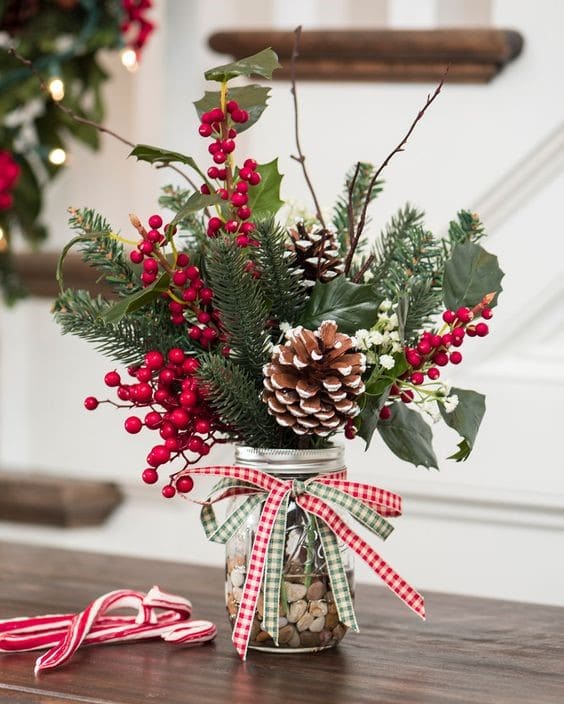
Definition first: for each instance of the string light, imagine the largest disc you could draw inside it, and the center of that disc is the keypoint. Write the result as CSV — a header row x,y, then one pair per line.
x,y
3,241
57,156
56,89
129,59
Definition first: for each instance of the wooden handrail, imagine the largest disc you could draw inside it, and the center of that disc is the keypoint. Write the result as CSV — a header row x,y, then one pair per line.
x,y
475,55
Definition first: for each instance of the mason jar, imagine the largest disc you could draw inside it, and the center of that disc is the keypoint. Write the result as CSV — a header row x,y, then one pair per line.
x,y
308,619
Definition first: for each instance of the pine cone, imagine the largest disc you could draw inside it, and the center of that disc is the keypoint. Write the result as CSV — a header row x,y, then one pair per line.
x,y
317,254
312,381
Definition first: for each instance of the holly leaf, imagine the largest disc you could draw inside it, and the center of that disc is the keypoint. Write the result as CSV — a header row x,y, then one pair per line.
x,y
253,99
408,436
261,64
156,155
197,201
382,378
369,416
351,306
470,274
137,300
465,419
264,199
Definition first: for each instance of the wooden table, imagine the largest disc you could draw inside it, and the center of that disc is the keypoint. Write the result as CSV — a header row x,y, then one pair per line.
x,y
470,650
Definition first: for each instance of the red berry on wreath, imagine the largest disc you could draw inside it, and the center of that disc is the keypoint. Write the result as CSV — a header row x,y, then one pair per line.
x,y
133,425
150,475
91,403
185,484
168,491
112,379
155,221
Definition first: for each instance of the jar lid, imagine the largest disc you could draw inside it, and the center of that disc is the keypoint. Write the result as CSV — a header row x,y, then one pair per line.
x,y
284,462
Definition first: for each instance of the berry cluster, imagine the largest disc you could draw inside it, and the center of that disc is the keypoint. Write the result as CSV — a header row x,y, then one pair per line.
x,y
190,300
9,174
435,349
175,408
134,11
220,124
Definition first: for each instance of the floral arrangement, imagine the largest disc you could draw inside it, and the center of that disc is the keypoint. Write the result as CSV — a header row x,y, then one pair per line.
x,y
62,41
237,325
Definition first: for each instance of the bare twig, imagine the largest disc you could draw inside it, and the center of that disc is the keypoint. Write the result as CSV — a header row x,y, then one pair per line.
x,y
350,211
84,121
363,269
396,150
301,158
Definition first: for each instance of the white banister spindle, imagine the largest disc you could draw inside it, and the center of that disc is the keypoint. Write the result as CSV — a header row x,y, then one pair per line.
x,y
412,15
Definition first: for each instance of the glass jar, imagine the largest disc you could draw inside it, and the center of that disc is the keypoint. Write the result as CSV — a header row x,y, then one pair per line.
x,y
308,615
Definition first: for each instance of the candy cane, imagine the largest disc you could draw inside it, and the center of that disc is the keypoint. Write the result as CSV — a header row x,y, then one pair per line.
x,y
159,614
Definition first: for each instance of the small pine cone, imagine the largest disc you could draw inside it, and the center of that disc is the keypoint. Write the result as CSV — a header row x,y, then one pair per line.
x,y
313,380
317,254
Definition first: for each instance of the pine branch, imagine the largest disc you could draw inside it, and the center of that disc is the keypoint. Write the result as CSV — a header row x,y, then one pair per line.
x,y
104,253
280,281
349,204
233,394
386,248
80,314
467,228
239,299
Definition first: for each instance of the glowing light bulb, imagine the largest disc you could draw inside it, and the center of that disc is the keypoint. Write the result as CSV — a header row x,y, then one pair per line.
x,y
3,241
129,59
57,156
56,89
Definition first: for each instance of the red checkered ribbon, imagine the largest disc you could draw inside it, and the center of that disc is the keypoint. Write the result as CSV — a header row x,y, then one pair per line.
x,y
307,495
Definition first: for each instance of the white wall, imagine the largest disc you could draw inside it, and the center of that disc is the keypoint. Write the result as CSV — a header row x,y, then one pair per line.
x,y
492,526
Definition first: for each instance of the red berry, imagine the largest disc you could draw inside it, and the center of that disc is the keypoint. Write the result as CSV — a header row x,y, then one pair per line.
x,y
449,316
250,164
424,347
195,444
166,377
179,278
239,199
191,365
189,295
205,129
112,379
433,373
413,358
255,178
133,425
417,378
243,240
242,187
180,418
182,260
154,360
232,105
244,212
146,247
245,174
194,332
176,355
184,484
385,413
123,393
136,256
214,147
407,396
204,317
455,357
150,475
247,227
217,115
205,189
465,315
168,430
155,221
150,266
436,340
458,332
394,390
158,455
148,279
202,426
222,174
153,420
487,313
154,236
231,225
219,157
228,145
206,295
91,403
144,374
168,491
207,118
209,334
482,329
192,272
237,115
141,393
447,339
350,431
213,172
223,193
440,358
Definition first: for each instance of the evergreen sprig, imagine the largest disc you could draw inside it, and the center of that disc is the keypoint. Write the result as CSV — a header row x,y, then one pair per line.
x,y
280,281
239,299
101,250
353,197
78,313
192,229
233,394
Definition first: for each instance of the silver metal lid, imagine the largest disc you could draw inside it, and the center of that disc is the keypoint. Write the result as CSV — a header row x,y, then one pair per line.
x,y
286,462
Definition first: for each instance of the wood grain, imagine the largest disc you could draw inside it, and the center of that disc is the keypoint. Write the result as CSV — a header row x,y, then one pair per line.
x,y
56,501
470,651
475,55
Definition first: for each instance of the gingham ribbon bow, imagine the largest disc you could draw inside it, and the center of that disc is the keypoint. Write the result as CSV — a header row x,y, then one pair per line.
x,y
367,504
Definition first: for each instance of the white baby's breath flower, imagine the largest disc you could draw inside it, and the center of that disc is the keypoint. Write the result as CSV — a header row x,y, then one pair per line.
x,y
386,361
430,409
363,338
451,402
396,347
368,276
385,305
371,357
444,388
393,321
284,327
376,338
394,336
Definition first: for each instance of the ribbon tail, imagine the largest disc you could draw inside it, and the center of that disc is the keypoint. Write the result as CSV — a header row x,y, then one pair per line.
x,y
273,572
246,613
402,589
337,577
221,533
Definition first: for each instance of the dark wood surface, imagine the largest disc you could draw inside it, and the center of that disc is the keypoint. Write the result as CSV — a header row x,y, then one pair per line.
x,y
56,501
475,55
471,651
